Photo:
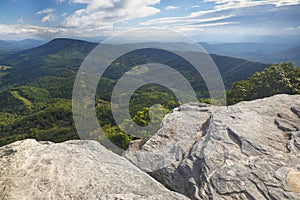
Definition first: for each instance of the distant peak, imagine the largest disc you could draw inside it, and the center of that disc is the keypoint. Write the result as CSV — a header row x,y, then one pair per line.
x,y
67,39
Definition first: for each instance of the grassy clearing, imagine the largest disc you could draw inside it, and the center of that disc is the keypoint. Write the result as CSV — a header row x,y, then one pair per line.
x,y
4,67
16,94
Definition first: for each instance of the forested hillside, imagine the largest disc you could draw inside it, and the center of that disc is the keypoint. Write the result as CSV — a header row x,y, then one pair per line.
x,y
36,89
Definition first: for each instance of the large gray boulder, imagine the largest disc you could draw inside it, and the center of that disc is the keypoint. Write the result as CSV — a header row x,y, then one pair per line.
x,y
250,150
73,170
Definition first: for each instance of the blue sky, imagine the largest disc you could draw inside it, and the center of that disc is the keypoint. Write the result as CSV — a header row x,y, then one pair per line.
x,y
206,20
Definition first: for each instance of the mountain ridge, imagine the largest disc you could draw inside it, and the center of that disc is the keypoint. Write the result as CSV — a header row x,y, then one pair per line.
x,y
70,53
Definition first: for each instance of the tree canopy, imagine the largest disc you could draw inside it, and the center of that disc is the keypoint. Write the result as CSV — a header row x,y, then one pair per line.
x,y
276,79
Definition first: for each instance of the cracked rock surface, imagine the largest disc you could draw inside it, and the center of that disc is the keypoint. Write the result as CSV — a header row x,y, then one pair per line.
x,y
250,150
73,170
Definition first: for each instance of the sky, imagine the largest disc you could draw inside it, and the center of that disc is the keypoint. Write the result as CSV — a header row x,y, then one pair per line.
x,y
203,20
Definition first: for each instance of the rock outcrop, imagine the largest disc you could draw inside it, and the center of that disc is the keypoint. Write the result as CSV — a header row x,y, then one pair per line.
x,y
73,170
250,150
246,151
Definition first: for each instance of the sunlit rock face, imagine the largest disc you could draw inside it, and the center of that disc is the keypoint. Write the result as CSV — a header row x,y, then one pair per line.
x,y
73,170
250,150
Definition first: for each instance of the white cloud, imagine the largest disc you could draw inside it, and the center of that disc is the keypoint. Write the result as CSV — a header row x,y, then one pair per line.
x,y
45,11
20,21
293,28
222,14
21,29
196,6
234,4
49,15
109,12
238,5
97,5
102,17
286,3
172,7
28,31
209,24
193,29
81,1
48,18
184,20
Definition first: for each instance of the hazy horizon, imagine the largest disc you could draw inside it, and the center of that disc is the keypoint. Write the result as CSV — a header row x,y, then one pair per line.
x,y
93,40
212,21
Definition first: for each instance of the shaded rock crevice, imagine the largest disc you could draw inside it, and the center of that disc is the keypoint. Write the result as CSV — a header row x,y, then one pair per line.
x,y
235,138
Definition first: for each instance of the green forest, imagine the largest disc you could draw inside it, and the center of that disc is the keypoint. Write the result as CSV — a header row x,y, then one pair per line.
x,y
36,89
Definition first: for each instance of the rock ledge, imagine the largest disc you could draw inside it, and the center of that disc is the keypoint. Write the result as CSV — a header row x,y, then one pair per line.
x,y
250,150
73,170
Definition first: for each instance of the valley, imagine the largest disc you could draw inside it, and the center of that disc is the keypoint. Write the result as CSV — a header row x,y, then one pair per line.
x,y
36,89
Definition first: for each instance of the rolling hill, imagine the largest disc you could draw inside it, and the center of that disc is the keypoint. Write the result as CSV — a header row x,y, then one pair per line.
x,y
61,58
36,89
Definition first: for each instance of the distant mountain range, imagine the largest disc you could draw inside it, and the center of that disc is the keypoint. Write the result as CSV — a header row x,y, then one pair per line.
x,y
62,57
10,46
259,52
